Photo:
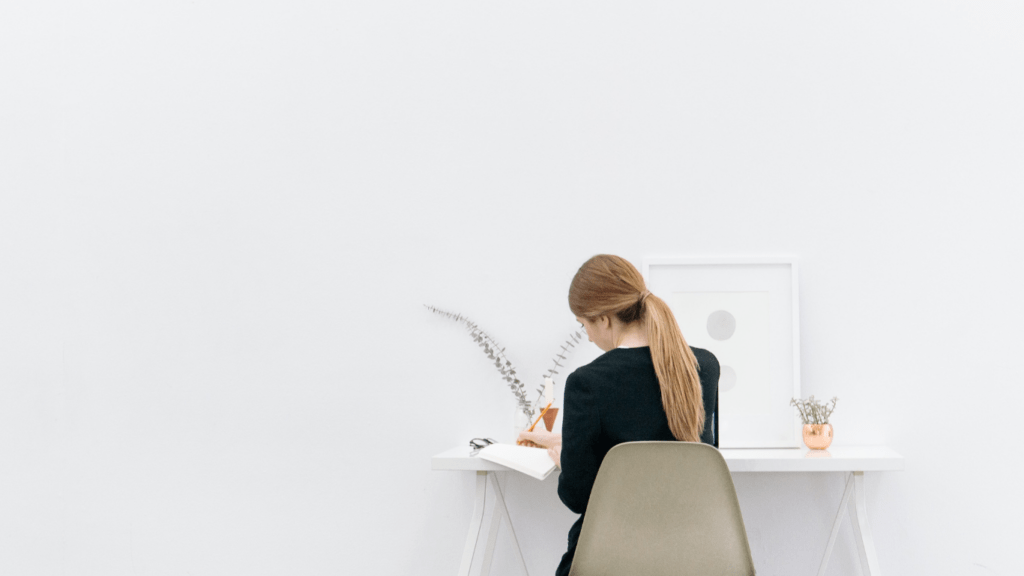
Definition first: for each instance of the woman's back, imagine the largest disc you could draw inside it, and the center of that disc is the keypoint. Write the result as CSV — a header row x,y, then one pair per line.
x,y
615,399
629,386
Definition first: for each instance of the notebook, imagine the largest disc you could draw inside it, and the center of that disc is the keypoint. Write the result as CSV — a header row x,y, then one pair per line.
x,y
530,461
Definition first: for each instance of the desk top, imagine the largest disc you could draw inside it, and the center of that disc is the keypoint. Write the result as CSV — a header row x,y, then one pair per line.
x,y
835,459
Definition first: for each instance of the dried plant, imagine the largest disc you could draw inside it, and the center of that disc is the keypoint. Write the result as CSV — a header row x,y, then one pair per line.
x,y
503,364
813,411
496,353
573,339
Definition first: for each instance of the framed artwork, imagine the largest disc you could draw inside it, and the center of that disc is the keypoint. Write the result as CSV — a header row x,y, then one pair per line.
x,y
745,312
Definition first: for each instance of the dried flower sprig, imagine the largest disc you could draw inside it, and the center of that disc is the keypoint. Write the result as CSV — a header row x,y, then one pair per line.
x,y
813,411
508,372
496,353
573,339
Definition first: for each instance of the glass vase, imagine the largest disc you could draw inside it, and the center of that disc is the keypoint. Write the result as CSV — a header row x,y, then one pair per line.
x,y
520,421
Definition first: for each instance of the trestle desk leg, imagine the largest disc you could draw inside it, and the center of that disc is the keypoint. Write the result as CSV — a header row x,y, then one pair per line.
x,y
861,529
835,525
475,522
492,535
501,509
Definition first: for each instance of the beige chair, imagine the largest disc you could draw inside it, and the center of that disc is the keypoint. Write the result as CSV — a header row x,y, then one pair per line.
x,y
660,508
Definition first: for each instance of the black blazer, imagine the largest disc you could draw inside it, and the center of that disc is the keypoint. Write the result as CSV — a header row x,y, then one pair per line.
x,y
615,399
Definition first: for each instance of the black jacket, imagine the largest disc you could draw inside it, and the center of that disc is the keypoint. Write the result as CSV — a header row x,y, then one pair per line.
x,y
614,399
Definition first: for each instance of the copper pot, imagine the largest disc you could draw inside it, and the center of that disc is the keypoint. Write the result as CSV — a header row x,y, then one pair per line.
x,y
817,436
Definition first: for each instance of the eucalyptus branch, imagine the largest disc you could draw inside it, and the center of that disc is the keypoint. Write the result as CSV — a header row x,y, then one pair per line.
x,y
573,339
496,353
813,411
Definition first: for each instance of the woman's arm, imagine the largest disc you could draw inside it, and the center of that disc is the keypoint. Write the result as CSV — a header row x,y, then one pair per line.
x,y
581,431
710,370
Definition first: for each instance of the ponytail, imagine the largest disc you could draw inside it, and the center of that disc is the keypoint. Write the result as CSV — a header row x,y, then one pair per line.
x,y
676,367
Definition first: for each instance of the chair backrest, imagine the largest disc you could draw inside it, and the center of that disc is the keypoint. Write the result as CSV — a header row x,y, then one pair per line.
x,y
660,508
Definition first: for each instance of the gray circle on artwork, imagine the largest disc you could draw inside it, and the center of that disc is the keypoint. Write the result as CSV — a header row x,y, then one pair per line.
x,y
721,325
727,379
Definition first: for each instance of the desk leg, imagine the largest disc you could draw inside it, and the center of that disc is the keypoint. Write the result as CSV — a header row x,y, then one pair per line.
x,y
835,525
501,510
859,518
861,530
492,533
474,524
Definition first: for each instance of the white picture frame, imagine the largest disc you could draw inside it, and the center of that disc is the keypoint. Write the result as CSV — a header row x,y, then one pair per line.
x,y
745,310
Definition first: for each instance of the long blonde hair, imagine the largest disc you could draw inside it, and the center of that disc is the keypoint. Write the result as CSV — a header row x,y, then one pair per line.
x,y
607,285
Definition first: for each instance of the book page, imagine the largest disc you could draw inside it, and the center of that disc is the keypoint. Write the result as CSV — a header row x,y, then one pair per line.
x,y
534,462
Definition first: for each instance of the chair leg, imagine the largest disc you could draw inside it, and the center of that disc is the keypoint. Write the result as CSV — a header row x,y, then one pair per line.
x,y
859,513
835,525
474,524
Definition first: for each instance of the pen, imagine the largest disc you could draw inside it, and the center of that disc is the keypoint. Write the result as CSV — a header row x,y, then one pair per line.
x,y
539,417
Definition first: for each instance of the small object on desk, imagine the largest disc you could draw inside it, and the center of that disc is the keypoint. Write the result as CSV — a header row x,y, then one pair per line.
x,y
534,425
549,418
533,462
549,397
817,430
818,436
478,444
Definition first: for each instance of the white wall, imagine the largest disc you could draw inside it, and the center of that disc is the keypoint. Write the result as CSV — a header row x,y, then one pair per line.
x,y
219,223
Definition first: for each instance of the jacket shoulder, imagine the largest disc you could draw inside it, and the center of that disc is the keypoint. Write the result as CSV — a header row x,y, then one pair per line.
x,y
704,357
593,374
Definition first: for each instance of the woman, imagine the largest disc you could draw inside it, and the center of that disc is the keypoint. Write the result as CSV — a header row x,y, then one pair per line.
x,y
648,385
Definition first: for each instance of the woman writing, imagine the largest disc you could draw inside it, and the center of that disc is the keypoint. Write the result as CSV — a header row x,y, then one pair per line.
x,y
648,385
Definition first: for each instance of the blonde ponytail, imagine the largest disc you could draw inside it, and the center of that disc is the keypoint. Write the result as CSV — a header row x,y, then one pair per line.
x,y
676,367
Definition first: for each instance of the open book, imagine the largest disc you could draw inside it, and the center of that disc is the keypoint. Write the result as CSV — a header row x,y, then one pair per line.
x,y
531,461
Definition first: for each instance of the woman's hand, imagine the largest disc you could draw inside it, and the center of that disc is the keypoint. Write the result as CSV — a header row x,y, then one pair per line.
x,y
556,454
540,439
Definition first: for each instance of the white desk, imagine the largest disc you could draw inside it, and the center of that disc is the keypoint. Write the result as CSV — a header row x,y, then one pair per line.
x,y
853,459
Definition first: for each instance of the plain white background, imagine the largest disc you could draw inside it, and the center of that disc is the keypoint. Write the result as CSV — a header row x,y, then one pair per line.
x,y
219,222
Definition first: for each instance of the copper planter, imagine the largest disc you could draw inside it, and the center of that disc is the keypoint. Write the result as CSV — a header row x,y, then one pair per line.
x,y
817,436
